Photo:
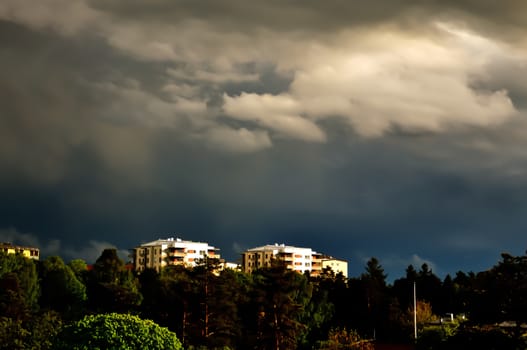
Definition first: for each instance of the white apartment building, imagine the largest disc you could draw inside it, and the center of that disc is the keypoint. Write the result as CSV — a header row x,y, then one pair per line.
x,y
295,258
336,265
170,251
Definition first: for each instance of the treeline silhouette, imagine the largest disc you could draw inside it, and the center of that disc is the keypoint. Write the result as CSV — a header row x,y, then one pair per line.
x,y
272,308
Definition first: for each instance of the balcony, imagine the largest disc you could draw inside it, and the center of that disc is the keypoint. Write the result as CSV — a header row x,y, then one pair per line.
x,y
285,256
174,259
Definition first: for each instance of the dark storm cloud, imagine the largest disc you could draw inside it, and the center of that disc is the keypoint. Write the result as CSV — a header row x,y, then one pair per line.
x,y
386,128
314,15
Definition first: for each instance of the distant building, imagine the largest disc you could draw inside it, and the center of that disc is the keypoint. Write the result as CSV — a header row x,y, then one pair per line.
x,y
295,258
28,252
170,251
230,265
336,265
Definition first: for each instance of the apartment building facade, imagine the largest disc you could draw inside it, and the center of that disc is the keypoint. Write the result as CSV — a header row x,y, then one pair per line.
x,y
28,252
336,265
171,251
295,258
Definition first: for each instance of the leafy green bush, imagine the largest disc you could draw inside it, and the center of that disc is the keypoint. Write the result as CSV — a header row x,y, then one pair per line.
x,y
116,331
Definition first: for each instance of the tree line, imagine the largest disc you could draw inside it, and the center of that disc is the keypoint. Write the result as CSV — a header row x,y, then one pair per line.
x,y
44,304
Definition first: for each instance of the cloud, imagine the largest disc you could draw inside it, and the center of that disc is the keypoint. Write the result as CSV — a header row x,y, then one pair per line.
x,y
11,235
64,16
278,113
89,251
217,75
238,140
136,105
411,83
400,263
92,250
376,78
243,120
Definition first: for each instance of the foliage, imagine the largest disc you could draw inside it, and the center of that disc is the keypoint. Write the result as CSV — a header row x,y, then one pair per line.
x,y
372,285
437,336
61,289
223,300
483,338
424,316
79,268
318,313
19,285
281,296
342,339
111,287
12,333
36,333
116,331
272,308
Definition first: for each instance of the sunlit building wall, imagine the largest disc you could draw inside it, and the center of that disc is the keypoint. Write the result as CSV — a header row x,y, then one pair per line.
x,y
171,251
336,265
28,252
295,258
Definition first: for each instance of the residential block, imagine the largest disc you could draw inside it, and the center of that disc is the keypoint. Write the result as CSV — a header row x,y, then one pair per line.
x,y
171,251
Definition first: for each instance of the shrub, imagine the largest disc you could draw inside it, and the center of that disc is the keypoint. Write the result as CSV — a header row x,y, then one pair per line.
x,y
116,331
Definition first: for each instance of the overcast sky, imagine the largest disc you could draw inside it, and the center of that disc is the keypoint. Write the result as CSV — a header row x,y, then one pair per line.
x,y
387,128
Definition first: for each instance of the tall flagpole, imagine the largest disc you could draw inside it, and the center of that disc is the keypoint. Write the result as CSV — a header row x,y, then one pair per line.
x,y
415,314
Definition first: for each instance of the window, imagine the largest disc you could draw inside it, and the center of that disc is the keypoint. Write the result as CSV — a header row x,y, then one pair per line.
x,y
191,251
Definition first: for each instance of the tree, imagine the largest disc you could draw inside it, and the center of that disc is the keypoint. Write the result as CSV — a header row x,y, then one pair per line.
x,y
224,324
19,287
36,333
150,289
424,315
60,288
429,287
500,294
319,312
204,278
176,300
111,287
280,296
13,302
375,293
116,331
79,268
403,288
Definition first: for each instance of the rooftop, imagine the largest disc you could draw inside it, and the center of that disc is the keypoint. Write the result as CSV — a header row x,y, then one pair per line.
x,y
277,246
173,240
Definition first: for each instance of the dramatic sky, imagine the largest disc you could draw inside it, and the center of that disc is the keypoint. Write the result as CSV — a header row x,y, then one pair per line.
x,y
387,128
